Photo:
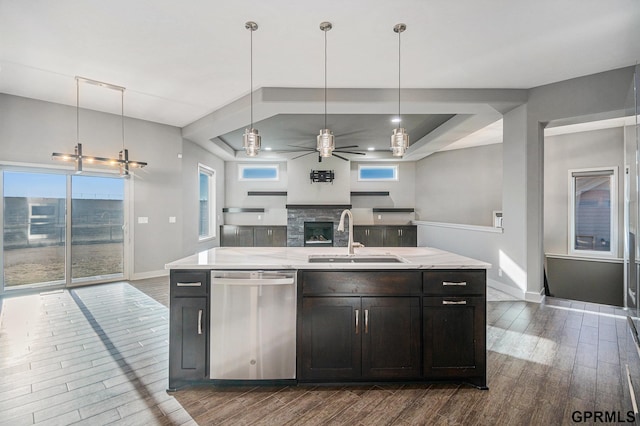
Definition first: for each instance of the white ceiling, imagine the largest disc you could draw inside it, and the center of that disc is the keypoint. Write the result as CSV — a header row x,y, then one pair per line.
x,y
183,60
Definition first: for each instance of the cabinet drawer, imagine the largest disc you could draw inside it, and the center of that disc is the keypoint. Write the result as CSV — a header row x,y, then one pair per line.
x,y
453,282
360,282
189,283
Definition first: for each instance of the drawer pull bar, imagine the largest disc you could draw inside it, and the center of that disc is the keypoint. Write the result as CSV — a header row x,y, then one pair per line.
x,y
451,302
357,316
200,321
366,321
197,284
460,284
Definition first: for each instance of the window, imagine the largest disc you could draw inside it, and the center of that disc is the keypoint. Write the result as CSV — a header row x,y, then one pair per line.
x,y
377,173
593,212
258,172
207,186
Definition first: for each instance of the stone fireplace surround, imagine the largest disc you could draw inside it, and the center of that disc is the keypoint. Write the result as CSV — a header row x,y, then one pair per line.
x,y
298,214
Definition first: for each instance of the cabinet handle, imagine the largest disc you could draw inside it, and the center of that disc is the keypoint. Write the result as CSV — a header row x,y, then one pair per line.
x,y
194,284
200,321
357,316
366,321
452,302
460,284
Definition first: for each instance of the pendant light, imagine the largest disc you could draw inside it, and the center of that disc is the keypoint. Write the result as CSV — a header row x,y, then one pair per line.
x,y
79,157
326,141
251,138
399,138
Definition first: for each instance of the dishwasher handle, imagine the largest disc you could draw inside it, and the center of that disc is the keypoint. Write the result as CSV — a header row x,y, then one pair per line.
x,y
252,281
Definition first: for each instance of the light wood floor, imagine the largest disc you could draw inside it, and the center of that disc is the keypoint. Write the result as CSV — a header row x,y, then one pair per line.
x,y
98,355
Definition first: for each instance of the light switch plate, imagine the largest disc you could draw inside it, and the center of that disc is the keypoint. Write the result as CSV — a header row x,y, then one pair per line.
x,y
172,219
143,219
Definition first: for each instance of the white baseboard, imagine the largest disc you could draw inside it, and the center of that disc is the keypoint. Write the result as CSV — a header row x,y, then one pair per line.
x,y
150,274
511,291
532,296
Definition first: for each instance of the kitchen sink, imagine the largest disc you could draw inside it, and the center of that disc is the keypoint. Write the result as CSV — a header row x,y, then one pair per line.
x,y
350,258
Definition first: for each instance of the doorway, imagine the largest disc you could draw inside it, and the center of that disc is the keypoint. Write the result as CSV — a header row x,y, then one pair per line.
x,y
62,229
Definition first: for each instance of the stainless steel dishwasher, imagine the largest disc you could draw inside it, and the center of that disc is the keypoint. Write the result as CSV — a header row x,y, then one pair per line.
x,y
253,325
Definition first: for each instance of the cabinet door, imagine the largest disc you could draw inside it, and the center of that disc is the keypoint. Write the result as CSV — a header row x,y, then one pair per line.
x,y
454,338
391,337
370,236
188,335
236,236
408,236
270,236
330,346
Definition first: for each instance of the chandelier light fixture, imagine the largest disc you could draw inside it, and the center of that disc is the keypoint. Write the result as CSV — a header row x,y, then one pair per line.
x,y
325,140
399,138
251,139
79,158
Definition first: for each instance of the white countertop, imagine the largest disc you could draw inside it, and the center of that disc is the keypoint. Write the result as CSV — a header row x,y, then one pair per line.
x,y
297,258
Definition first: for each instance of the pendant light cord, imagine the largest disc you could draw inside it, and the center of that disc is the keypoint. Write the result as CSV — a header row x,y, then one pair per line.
x,y
251,76
122,115
399,45
77,111
325,79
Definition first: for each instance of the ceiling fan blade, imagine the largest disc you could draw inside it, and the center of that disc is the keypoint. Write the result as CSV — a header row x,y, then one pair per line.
x,y
302,155
350,152
340,156
306,148
348,146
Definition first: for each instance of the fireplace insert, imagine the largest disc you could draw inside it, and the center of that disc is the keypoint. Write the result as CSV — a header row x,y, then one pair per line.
x,y
318,233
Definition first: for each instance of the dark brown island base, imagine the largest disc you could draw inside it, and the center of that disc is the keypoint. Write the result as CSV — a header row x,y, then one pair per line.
x,y
356,321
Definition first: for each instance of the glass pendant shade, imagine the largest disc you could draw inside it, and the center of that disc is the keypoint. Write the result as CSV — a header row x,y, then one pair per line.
x,y
251,142
326,143
399,142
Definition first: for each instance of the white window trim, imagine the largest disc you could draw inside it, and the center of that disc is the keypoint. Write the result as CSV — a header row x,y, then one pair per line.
x,y
613,245
212,201
243,166
396,172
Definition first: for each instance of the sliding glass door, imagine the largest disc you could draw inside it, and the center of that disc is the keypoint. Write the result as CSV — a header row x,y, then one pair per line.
x,y
61,229
34,232
97,220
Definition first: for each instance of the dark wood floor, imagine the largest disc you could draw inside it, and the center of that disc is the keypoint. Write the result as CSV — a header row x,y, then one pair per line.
x,y
98,355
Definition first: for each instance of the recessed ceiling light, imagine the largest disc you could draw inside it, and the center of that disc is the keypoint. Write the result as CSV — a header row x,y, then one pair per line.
x,y
396,120
267,148
371,148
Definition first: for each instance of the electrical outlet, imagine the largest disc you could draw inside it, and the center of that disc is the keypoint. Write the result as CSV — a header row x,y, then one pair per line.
x,y
379,217
143,219
499,272
259,217
172,219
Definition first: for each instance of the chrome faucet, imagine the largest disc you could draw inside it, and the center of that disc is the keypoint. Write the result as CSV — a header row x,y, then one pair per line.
x,y
351,244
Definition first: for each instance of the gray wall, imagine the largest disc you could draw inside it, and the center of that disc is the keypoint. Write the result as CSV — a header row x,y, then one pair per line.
x,y
236,196
589,281
192,156
460,186
31,130
598,148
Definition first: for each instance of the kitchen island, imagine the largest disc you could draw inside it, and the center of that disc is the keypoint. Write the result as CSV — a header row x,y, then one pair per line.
x,y
402,314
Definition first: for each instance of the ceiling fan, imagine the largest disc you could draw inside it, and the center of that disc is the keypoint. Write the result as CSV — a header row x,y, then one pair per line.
x,y
342,150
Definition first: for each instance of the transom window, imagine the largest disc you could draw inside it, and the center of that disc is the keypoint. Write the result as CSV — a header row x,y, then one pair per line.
x,y
258,172
377,173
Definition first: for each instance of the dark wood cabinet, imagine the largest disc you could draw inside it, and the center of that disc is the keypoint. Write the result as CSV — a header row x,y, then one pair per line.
x,y
401,236
453,328
253,236
270,236
236,236
188,327
370,236
391,341
386,235
360,325
454,325
331,344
